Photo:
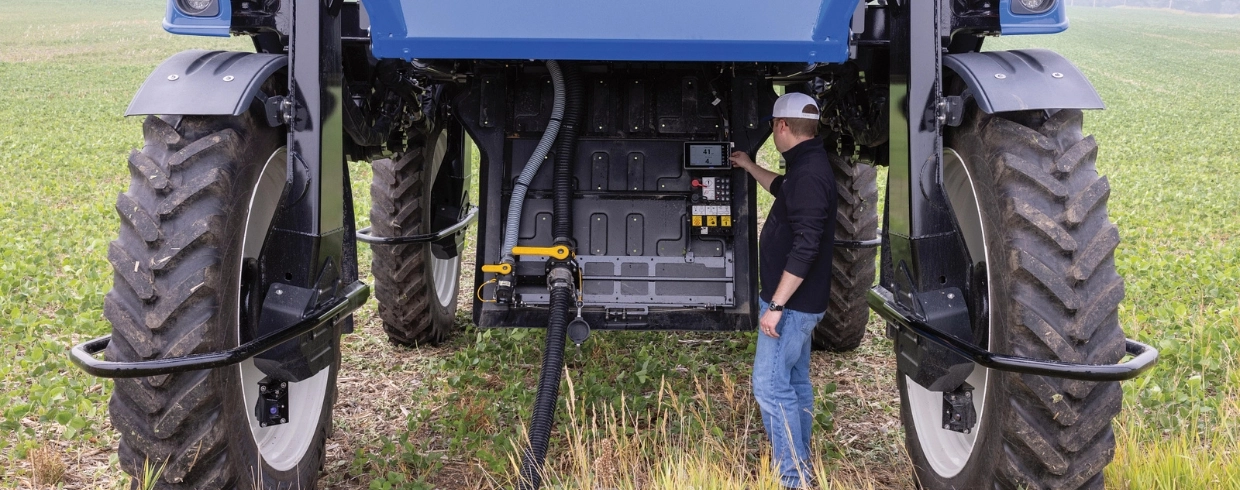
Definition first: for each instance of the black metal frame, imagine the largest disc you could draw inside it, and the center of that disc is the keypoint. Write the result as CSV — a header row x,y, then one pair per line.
x,y
310,224
83,354
921,230
488,109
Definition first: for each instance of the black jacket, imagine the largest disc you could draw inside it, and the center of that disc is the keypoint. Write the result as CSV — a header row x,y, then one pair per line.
x,y
799,233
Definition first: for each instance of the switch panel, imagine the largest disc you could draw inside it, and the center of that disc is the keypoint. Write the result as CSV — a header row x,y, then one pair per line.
x,y
710,210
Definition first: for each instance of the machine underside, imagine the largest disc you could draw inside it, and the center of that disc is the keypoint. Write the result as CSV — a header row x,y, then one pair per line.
x,y
661,242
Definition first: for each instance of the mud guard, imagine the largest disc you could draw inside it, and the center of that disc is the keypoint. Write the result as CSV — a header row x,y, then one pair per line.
x,y
1024,79
205,83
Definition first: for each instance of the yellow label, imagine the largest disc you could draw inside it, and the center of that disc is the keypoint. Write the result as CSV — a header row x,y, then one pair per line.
x,y
725,220
697,220
712,221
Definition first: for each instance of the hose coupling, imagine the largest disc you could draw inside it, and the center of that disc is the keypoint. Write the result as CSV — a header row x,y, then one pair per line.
x,y
560,277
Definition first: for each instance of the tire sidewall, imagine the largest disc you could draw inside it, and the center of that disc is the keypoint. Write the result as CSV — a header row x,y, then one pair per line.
x,y
259,143
987,456
442,316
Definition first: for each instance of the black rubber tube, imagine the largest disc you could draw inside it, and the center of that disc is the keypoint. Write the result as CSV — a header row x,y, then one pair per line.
x,y
548,391
561,293
565,151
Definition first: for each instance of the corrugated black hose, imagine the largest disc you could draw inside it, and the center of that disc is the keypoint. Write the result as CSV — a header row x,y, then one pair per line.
x,y
565,151
561,281
548,389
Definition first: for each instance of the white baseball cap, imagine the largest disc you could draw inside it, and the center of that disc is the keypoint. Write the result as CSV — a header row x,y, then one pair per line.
x,y
795,105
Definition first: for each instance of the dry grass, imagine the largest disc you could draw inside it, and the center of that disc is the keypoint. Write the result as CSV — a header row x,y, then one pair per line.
x,y
1146,458
608,447
47,466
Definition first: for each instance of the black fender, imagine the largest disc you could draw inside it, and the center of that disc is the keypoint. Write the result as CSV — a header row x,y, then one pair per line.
x,y
1023,79
205,83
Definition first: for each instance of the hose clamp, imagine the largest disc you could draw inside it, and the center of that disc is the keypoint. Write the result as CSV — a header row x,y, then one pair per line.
x,y
560,277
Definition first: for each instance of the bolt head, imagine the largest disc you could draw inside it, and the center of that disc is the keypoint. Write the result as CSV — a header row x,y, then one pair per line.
x,y
283,421
229,78
264,424
283,385
173,78
1000,76
262,389
945,426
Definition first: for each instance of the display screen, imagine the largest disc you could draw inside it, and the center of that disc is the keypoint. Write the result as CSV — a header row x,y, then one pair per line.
x,y
707,155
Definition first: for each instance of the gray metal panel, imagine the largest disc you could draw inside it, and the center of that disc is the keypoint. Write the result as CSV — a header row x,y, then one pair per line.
x,y
199,82
612,281
1017,80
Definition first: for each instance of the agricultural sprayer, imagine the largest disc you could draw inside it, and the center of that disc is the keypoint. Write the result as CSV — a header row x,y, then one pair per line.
x,y
606,202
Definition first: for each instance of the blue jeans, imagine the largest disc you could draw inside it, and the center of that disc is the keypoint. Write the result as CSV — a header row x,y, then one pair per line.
x,y
781,386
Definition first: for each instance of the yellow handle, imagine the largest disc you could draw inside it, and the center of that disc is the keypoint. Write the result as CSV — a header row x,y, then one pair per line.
x,y
558,251
498,268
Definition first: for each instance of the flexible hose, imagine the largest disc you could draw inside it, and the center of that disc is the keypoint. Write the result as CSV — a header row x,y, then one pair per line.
x,y
565,150
548,390
513,225
561,281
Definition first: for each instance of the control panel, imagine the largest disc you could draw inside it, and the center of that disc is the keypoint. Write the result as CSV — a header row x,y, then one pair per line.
x,y
710,206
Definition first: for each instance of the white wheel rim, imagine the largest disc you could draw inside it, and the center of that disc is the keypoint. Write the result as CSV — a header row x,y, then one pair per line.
x,y
947,451
280,446
444,272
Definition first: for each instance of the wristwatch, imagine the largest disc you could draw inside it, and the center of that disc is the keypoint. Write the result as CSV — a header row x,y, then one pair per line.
x,y
775,307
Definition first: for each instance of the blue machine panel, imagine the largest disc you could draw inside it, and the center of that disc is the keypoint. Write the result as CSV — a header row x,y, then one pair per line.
x,y
1052,21
633,30
178,22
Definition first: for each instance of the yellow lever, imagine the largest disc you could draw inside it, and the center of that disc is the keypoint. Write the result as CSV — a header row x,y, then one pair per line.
x,y
498,268
556,252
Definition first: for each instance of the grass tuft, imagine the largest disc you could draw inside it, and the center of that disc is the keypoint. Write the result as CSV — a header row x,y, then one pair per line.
x,y
47,466
151,473
1185,459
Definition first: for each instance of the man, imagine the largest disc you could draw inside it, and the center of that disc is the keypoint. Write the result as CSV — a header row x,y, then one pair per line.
x,y
795,265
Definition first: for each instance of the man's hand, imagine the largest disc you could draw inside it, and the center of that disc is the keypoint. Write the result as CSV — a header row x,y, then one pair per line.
x,y
741,160
768,323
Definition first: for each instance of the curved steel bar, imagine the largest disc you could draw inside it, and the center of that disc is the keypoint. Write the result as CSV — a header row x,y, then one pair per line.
x,y
875,243
859,243
83,354
1144,356
363,235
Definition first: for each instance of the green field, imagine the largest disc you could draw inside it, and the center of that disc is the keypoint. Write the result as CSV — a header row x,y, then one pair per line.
x,y
641,410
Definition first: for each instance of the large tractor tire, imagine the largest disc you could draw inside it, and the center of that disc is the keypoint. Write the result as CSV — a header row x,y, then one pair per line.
x,y
202,195
1031,208
852,269
417,291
